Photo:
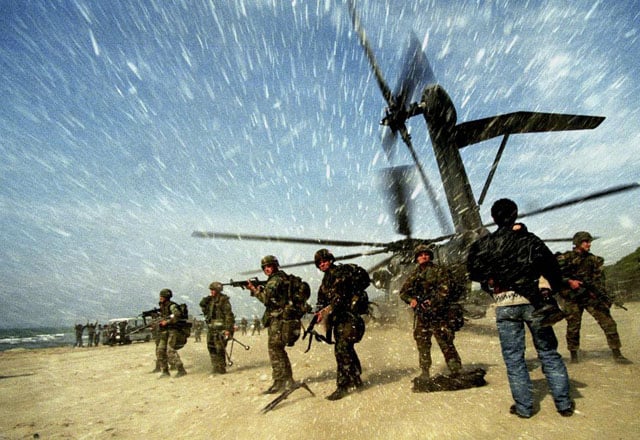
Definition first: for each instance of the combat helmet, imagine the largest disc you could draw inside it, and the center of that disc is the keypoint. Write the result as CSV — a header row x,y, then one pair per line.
x,y
166,293
581,236
269,259
217,286
323,255
420,249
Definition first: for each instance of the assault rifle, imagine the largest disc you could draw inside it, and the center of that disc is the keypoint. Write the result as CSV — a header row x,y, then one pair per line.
x,y
588,291
150,313
244,284
313,333
286,394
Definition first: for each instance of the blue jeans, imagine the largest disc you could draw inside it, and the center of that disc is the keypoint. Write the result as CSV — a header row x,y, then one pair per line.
x,y
511,321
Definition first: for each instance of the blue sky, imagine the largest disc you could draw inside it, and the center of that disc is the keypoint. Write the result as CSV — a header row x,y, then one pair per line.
x,y
127,125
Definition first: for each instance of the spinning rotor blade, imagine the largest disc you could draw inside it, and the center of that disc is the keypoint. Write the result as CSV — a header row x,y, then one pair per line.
x,y
577,200
396,185
339,258
384,88
416,72
251,237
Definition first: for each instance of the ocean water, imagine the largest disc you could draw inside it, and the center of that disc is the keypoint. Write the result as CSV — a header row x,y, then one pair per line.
x,y
33,338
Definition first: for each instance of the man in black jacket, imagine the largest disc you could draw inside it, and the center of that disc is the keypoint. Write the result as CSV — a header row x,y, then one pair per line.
x,y
508,263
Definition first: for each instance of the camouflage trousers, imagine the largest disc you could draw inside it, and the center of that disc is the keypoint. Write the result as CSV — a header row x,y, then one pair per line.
x,y
422,333
216,344
600,313
280,364
165,353
347,332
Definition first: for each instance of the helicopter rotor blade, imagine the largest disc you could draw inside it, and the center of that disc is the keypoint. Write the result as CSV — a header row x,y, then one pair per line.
x,y
338,258
382,84
593,196
440,215
396,179
273,238
416,72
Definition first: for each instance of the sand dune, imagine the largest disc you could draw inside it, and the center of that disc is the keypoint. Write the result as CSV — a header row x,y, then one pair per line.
x,y
108,392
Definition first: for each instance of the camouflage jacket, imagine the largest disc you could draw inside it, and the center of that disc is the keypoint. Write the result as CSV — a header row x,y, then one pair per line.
x,y
171,313
274,296
217,312
430,286
583,266
338,287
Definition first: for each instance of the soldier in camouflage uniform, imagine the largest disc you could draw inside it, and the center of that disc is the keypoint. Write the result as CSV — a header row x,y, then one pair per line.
x,y
335,297
427,291
167,335
218,315
582,273
274,295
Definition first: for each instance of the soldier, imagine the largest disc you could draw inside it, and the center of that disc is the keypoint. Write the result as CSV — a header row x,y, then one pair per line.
x,y
91,332
585,290
508,263
274,295
243,325
256,326
340,285
218,315
79,328
429,290
197,330
166,351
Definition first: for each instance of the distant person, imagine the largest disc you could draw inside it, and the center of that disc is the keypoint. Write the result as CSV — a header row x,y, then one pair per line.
x,y
218,315
256,326
79,329
430,291
340,285
197,330
508,264
585,290
274,295
91,332
167,348
122,330
96,338
243,326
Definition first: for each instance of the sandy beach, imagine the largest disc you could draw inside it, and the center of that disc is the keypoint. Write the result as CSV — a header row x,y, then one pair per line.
x,y
109,392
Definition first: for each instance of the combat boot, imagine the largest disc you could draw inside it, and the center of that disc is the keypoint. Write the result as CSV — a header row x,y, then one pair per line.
x,y
619,358
455,367
423,376
181,372
157,369
165,373
277,386
338,394
574,357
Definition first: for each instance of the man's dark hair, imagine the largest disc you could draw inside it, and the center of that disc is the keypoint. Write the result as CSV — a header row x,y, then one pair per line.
x,y
504,212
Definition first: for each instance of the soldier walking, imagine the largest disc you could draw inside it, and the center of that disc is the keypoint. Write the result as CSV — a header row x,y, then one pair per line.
x,y
166,351
585,290
341,287
275,295
218,315
429,291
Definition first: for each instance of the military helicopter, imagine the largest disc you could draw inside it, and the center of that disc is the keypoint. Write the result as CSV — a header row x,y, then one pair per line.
x,y
447,138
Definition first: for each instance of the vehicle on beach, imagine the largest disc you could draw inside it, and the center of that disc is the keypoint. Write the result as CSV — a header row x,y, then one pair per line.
x,y
136,329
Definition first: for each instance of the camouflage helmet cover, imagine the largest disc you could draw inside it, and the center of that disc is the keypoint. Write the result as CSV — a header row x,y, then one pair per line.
x,y
166,293
269,259
581,236
420,249
216,286
323,255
